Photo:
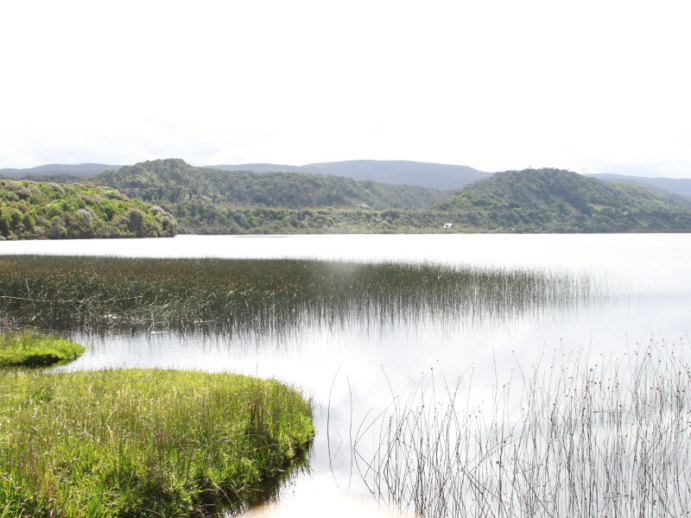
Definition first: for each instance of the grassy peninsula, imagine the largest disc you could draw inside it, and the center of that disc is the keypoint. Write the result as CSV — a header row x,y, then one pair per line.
x,y
116,443
145,442
33,349
35,210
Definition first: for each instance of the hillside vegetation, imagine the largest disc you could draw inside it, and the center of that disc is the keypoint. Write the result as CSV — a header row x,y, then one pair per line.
x,y
208,201
175,181
545,200
34,210
552,200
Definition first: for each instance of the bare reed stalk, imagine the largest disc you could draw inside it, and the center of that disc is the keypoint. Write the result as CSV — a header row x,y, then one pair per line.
x,y
606,440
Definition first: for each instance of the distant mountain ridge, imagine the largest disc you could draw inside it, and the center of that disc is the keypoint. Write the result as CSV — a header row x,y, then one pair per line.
x,y
175,181
680,186
396,172
80,170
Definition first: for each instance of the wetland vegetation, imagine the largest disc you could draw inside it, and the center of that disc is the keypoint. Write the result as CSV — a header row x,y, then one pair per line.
x,y
581,440
266,295
145,442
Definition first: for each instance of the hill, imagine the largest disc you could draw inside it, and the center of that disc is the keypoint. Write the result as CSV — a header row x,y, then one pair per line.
x,y
678,186
173,181
212,201
80,170
552,200
207,201
397,172
34,210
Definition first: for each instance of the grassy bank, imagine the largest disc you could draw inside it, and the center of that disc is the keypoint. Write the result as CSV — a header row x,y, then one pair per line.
x,y
32,349
58,292
145,442
582,440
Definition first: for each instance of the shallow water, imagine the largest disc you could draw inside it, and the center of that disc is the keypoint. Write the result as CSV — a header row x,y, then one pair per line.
x,y
353,369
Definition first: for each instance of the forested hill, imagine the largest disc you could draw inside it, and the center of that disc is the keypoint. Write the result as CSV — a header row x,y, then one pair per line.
x,y
173,181
397,172
552,200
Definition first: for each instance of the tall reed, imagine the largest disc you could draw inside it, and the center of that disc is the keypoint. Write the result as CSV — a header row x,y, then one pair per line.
x,y
101,293
584,440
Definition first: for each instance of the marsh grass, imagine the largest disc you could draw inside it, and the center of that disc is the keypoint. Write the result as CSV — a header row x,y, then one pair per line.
x,y
102,293
145,442
32,349
582,440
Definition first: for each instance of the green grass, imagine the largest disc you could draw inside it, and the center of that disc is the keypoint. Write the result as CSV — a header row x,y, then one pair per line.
x,y
31,349
145,442
60,292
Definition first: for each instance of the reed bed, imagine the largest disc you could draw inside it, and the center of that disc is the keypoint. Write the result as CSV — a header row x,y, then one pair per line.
x,y
584,440
32,349
102,293
145,442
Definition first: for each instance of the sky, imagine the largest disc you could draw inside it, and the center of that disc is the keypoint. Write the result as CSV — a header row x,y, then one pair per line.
x,y
591,86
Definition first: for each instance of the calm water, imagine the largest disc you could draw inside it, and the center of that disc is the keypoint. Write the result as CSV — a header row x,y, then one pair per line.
x,y
357,367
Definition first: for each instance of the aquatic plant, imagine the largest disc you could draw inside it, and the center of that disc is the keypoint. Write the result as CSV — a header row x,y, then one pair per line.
x,y
145,442
63,292
582,440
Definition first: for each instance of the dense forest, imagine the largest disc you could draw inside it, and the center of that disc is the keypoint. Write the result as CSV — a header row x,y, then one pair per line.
x,y
174,181
34,210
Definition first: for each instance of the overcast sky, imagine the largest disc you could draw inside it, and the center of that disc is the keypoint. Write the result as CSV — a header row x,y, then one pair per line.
x,y
587,85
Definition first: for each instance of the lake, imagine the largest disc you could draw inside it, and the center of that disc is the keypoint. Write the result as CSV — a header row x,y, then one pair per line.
x,y
642,292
